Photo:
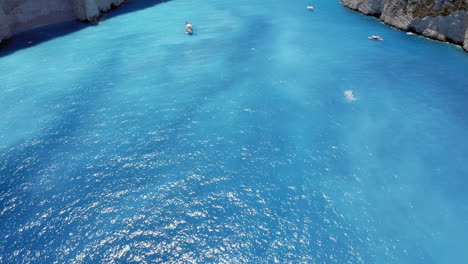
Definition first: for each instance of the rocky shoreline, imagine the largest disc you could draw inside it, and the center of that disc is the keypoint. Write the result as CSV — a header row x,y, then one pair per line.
x,y
21,15
442,20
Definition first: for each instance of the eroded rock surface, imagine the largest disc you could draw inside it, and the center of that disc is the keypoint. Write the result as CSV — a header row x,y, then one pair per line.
x,y
444,20
20,15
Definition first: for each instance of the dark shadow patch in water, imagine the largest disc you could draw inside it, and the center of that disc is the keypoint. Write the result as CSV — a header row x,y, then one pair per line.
x,y
39,35
45,33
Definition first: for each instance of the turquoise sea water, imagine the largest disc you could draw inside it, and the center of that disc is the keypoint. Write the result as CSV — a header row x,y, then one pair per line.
x,y
272,135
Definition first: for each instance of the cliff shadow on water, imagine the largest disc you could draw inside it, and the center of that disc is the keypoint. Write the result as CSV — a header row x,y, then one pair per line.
x,y
45,33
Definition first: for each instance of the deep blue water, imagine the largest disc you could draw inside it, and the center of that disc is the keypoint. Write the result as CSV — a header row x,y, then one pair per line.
x,y
272,135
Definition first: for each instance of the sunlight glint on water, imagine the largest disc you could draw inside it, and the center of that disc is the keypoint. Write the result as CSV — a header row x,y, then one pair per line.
x,y
272,135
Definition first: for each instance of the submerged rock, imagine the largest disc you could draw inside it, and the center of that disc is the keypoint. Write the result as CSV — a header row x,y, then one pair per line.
x,y
465,43
451,28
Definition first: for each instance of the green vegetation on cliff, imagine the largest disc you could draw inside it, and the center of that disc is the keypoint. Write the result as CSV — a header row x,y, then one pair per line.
x,y
423,8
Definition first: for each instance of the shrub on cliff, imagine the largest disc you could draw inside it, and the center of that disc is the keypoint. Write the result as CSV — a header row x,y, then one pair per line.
x,y
424,8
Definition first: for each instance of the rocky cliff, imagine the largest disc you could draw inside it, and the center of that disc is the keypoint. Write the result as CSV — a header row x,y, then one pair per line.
x,y
444,20
20,15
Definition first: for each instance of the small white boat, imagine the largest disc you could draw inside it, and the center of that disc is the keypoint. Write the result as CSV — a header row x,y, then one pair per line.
x,y
188,28
375,38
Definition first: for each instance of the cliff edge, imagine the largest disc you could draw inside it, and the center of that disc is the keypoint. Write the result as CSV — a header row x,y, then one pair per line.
x,y
443,20
21,15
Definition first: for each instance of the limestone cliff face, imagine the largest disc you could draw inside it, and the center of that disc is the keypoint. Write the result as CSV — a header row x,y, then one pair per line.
x,y
368,7
90,10
86,10
5,31
444,20
20,15
465,43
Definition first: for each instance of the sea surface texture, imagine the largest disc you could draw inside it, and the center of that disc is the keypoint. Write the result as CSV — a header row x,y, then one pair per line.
x,y
273,134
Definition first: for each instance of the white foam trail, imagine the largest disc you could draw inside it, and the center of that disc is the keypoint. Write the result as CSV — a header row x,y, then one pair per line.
x,y
349,96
